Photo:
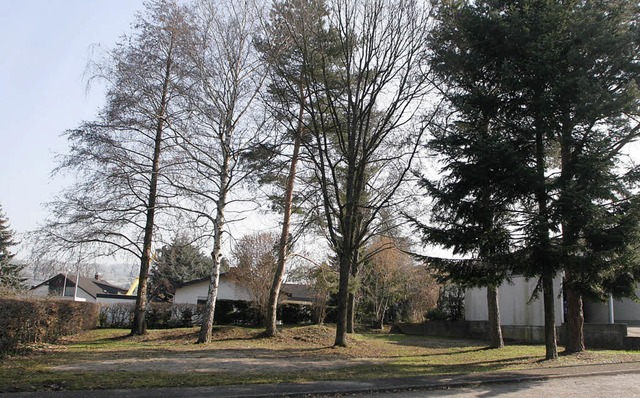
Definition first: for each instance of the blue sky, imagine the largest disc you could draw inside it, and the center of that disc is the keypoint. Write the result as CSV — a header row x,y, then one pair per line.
x,y
44,49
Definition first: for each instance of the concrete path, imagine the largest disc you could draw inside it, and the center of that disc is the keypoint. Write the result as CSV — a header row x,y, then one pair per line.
x,y
311,389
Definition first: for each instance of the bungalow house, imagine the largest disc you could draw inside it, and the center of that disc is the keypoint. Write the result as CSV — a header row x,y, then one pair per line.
x,y
86,289
195,292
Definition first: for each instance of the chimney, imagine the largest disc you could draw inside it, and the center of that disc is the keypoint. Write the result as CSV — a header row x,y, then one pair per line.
x,y
98,276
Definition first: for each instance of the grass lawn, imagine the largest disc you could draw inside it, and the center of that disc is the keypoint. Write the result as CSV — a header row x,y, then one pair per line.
x,y
108,358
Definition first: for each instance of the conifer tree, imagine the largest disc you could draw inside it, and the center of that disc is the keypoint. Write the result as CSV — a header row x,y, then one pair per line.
x,y
294,31
10,273
563,81
179,262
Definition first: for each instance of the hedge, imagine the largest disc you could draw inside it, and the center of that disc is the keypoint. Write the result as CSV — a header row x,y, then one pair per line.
x,y
31,320
159,315
167,315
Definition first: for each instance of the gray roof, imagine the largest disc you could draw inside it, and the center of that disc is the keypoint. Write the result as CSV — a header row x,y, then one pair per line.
x,y
92,286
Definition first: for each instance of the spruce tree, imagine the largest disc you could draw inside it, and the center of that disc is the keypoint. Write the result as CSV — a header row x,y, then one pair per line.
x,y
10,273
472,212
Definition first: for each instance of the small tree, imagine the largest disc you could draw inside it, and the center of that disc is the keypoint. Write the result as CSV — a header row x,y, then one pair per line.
x,y
11,279
324,283
256,258
421,291
382,276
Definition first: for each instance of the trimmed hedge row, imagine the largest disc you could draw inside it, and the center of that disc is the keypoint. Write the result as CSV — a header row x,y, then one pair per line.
x,y
167,315
159,315
31,320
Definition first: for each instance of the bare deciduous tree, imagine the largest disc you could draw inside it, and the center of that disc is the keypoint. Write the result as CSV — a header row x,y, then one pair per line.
x,y
384,273
256,257
366,108
119,159
223,124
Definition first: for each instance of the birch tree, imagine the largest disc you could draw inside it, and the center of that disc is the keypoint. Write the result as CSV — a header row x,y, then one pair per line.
x,y
224,123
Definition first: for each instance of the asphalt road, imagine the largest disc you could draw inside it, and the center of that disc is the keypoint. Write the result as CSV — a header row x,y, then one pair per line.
x,y
622,385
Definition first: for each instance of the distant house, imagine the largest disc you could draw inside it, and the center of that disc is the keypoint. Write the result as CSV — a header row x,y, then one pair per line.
x,y
298,294
195,292
88,289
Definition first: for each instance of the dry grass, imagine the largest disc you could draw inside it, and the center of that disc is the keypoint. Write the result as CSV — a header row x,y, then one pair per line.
x,y
102,359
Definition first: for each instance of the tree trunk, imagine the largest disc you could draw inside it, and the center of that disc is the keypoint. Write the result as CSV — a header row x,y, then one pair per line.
x,y
570,236
343,298
139,326
272,308
551,346
495,330
320,311
380,320
575,320
207,323
543,256
351,310
351,313
380,311
206,329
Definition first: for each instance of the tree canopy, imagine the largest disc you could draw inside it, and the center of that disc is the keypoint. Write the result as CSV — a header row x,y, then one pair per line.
x,y
176,263
546,92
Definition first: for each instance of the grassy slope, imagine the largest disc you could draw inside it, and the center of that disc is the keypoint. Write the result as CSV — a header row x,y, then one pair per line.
x,y
384,355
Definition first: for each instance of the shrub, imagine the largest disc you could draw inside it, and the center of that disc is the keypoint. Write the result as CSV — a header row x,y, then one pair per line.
x,y
159,315
116,315
25,321
450,305
185,315
295,313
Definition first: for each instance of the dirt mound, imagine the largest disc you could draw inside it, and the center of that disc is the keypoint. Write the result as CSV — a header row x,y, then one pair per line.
x,y
317,335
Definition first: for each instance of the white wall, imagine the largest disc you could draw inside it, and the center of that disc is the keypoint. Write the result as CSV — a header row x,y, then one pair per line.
x,y
515,308
227,290
624,311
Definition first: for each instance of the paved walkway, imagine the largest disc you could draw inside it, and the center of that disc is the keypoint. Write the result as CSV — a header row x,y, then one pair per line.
x,y
311,389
